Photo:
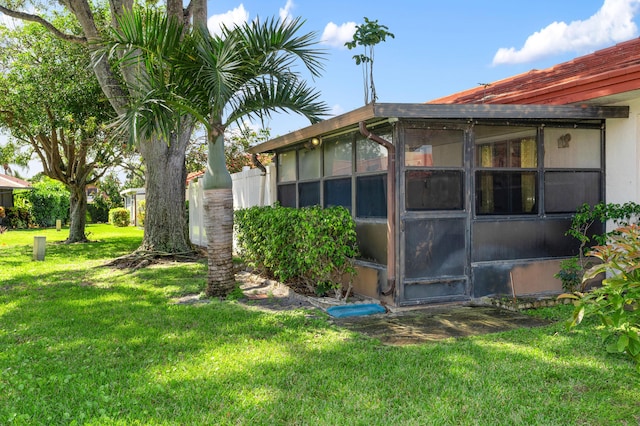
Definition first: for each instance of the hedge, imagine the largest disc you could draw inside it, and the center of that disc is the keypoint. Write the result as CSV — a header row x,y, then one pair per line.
x,y
311,246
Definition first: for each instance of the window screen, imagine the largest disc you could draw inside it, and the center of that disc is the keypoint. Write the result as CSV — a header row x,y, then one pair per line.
x,y
506,192
287,166
287,195
371,196
338,156
370,156
309,163
309,194
337,192
565,191
433,147
434,190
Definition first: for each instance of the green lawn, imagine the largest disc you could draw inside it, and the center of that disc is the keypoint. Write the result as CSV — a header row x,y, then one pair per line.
x,y
85,344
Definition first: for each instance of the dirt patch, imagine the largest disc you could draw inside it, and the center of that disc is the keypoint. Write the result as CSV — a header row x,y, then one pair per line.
x,y
269,294
396,327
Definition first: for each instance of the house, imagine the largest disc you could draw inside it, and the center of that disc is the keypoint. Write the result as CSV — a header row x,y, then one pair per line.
x,y
471,195
7,185
92,192
132,198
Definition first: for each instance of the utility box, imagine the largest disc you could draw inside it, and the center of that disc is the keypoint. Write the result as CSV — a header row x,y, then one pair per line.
x,y
39,244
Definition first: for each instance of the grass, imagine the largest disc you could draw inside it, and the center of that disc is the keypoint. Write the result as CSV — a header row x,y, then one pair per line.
x,y
85,344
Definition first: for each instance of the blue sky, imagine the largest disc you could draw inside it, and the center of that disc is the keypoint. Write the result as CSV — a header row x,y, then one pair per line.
x,y
440,47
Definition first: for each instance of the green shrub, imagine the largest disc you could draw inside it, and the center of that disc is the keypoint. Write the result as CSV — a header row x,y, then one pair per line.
x,y
572,270
18,218
311,246
98,210
47,201
119,217
617,301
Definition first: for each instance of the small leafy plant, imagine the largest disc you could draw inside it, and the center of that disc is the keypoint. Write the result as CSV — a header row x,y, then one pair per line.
x,y
572,270
617,302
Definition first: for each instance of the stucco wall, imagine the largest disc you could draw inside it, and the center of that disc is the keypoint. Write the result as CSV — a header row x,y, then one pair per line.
x,y
623,156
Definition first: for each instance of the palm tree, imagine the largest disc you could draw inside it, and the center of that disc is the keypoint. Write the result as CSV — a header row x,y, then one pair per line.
x,y
245,72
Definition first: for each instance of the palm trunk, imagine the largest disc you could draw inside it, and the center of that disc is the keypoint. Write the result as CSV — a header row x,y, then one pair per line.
x,y
78,216
218,220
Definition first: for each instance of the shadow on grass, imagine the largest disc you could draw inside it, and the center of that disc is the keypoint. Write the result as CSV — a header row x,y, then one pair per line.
x,y
123,354
81,344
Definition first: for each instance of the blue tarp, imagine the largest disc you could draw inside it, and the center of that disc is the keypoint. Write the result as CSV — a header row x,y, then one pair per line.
x,y
355,310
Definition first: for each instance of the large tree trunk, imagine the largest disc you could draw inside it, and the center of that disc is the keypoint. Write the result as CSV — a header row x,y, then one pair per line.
x,y
165,224
78,216
218,220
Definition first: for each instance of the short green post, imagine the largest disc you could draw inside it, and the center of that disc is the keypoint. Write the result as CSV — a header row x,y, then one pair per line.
x,y
39,243
58,224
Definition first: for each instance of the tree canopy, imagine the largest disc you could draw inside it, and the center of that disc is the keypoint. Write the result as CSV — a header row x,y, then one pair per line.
x,y
247,71
53,103
165,173
367,36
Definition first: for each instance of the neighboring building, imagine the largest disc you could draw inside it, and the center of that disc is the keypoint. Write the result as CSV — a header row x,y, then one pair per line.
x,y
91,191
7,185
471,195
132,198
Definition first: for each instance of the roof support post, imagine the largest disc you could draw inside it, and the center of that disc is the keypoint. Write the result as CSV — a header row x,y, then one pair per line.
x,y
391,205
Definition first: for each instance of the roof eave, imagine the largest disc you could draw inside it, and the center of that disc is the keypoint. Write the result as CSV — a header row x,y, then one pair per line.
x,y
372,112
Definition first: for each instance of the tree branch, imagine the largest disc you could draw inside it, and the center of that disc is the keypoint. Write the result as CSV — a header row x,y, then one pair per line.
x,y
48,25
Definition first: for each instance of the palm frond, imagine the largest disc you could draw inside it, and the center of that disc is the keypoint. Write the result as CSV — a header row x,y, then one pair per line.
x,y
265,96
276,44
149,42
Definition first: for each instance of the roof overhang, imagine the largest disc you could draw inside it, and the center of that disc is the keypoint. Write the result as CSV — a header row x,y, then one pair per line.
x,y
10,182
469,112
132,191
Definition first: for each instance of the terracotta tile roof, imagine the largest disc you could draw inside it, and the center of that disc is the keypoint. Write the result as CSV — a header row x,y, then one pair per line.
x,y
13,182
603,75
191,176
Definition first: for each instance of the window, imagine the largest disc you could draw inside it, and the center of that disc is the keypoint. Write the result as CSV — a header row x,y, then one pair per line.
x,y
428,185
337,192
433,148
370,156
434,190
338,156
309,194
287,166
287,195
565,191
502,192
6,197
309,163
572,160
572,148
371,196
503,183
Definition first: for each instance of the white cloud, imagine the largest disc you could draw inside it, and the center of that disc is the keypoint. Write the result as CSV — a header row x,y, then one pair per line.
x,y
611,24
234,17
285,13
336,110
337,36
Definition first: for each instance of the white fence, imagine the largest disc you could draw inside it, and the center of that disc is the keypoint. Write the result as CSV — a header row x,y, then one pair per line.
x,y
250,188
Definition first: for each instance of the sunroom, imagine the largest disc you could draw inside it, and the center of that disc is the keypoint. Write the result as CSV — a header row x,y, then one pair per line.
x,y
451,202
